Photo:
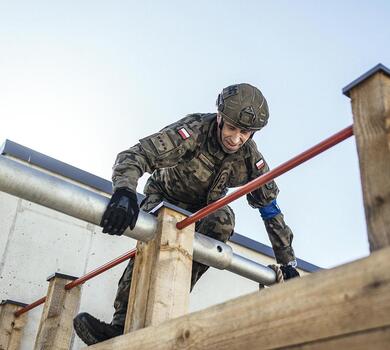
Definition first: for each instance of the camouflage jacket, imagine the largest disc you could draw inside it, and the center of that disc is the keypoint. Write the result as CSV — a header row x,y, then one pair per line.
x,y
190,169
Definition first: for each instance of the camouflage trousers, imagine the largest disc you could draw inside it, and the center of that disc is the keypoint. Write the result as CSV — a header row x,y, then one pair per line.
x,y
219,225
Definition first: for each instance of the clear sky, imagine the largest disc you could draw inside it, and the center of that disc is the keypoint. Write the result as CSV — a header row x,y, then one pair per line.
x,y
82,80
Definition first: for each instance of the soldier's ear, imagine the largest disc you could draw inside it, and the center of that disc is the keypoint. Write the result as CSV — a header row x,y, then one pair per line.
x,y
219,121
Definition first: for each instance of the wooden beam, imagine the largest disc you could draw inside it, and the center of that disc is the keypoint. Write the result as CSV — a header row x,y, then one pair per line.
x,y
348,299
11,327
378,339
370,98
56,325
162,274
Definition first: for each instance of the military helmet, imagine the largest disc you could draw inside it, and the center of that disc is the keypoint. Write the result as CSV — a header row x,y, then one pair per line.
x,y
244,106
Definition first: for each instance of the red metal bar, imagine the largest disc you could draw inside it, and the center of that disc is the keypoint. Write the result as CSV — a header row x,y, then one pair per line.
x,y
29,307
101,269
130,254
263,179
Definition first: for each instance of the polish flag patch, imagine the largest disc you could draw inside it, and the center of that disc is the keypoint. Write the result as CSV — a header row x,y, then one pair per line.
x,y
184,133
260,164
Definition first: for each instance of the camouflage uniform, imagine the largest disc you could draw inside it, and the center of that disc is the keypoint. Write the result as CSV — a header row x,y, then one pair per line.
x,y
190,169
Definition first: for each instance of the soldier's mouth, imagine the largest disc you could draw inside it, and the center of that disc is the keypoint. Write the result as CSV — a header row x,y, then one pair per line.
x,y
232,146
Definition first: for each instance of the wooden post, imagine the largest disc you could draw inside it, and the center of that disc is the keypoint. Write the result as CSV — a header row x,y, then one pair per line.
x,y
11,327
161,280
56,326
370,98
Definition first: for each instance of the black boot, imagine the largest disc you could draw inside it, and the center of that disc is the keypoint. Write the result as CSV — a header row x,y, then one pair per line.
x,y
91,330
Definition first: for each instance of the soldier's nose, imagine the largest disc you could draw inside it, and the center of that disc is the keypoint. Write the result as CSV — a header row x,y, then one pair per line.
x,y
235,139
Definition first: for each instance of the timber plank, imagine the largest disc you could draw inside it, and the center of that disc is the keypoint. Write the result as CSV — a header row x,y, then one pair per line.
x,y
140,284
161,279
56,325
348,299
373,339
11,327
371,111
169,294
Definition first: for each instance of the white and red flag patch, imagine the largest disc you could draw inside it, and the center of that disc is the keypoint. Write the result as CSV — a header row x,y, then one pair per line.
x,y
260,164
184,133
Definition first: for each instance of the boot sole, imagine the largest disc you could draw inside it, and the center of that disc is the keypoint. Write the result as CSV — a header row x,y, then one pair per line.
x,y
84,332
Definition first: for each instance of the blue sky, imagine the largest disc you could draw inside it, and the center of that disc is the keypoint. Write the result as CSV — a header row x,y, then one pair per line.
x,y
82,80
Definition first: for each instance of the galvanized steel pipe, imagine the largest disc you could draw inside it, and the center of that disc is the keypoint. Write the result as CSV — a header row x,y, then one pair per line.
x,y
212,252
52,192
217,254
55,193
252,270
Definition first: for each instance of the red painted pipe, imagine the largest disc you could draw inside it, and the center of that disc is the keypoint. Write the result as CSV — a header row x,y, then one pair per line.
x,y
81,280
101,269
263,179
29,307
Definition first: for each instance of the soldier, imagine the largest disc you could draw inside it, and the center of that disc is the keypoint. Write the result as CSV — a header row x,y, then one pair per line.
x,y
193,162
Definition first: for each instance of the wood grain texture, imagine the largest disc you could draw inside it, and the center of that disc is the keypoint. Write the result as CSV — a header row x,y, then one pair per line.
x,y
373,339
56,325
160,285
371,112
145,259
11,328
343,301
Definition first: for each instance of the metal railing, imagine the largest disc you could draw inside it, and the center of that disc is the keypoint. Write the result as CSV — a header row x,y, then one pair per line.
x,y
58,194
83,279
53,192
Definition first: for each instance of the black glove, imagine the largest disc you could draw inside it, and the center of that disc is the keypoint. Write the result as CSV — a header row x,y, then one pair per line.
x,y
122,211
289,272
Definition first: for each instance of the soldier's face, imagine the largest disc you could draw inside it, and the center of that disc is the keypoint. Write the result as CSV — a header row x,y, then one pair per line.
x,y
232,137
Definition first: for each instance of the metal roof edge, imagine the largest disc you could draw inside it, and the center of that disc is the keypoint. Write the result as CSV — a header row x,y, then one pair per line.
x,y
39,159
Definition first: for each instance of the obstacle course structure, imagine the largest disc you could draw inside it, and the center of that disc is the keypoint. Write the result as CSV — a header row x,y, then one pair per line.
x,y
347,307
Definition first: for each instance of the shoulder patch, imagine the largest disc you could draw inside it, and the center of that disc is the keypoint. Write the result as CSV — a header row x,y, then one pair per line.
x,y
260,164
184,133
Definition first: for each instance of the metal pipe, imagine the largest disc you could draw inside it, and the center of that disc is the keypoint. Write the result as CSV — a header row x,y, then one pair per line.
x,y
120,259
252,270
29,307
52,192
107,266
212,252
206,250
263,179
36,186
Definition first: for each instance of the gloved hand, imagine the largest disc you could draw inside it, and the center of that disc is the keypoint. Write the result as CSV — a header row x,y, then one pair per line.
x,y
122,211
289,272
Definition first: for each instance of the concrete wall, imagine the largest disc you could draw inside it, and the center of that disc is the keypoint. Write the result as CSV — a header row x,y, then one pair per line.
x,y
35,242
